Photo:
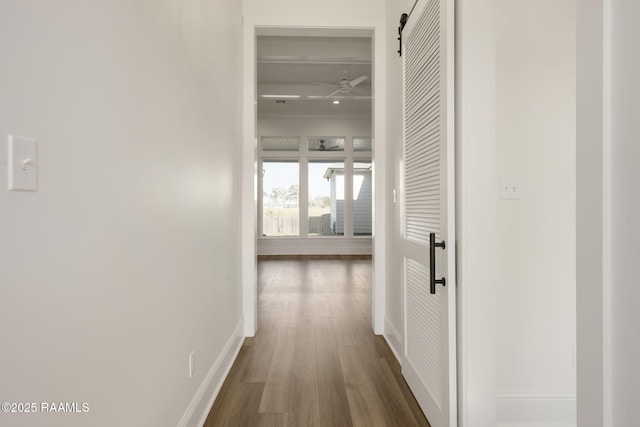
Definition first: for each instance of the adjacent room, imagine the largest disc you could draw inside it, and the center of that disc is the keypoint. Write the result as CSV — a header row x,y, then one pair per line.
x,y
314,145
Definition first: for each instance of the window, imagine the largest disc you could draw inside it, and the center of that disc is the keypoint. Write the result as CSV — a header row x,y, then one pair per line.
x,y
280,143
315,189
326,143
362,186
280,194
361,144
326,198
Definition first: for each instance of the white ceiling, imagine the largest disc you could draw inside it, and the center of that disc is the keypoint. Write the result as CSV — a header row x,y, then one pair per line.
x,y
289,66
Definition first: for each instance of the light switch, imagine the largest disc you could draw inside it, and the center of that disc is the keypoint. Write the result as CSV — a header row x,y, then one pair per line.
x,y
23,166
510,189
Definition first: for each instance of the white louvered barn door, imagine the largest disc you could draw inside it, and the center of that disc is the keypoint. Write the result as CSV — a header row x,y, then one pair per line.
x,y
429,359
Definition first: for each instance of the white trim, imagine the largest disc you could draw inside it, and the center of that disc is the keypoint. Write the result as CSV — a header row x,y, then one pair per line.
x,y
546,407
306,115
379,191
315,246
475,222
376,28
249,182
607,204
561,424
394,339
212,383
593,213
303,197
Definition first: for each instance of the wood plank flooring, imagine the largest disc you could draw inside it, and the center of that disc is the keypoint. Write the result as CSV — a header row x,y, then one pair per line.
x,y
315,360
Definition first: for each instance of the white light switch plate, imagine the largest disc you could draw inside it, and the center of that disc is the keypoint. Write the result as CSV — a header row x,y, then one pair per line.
x,y
510,188
192,363
23,166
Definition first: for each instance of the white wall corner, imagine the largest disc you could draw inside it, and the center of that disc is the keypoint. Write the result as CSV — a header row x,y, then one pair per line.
x,y
393,338
202,402
249,177
380,176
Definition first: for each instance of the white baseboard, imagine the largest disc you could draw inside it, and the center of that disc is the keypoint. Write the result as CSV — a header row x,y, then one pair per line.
x,y
394,339
567,424
536,409
315,246
198,409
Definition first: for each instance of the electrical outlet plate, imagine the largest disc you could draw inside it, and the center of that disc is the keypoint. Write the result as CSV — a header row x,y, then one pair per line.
x,y
510,189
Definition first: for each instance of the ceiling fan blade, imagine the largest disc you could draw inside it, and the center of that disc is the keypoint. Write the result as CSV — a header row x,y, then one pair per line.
x,y
333,93
334,148
359,90
323,84
356,82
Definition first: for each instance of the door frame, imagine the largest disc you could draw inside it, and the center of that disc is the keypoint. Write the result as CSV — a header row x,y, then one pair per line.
x,y
594,328
476,187
272,25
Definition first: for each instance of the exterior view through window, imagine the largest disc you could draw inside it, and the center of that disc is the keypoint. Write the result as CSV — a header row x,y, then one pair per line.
x,y
319,188
280,207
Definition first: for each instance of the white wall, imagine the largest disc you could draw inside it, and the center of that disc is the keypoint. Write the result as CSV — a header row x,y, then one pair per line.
x,y
393,313
124,260
535,146
625,211
331,8
535,118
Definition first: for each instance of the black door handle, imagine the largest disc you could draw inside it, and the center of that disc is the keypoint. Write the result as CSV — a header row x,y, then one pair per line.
x,y
432,261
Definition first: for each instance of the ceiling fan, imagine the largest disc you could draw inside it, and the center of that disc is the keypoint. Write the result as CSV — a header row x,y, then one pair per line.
x,y
345,85
322,147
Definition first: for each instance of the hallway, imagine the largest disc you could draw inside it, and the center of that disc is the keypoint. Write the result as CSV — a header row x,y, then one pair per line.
x,y
315,360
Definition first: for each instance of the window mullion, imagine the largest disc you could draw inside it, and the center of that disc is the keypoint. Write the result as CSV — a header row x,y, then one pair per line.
x,y
303,190
260,225
348,187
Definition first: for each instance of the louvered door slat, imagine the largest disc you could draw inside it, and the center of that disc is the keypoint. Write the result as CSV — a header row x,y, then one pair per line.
x,y
423,310
427,363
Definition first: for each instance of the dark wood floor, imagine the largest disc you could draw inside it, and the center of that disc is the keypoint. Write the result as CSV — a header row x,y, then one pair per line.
x,y
315,360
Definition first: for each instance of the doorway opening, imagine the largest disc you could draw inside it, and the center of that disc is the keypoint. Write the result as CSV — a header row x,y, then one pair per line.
x,y
311,159
314,145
